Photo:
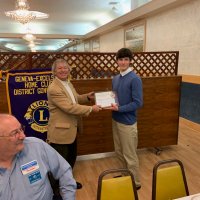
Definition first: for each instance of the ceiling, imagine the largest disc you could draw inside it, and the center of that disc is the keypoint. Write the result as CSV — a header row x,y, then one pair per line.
x,y
68,19
73,20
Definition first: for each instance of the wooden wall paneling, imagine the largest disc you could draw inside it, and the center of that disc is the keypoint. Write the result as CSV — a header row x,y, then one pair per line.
x,y
96,136
158,119
96,85
3,98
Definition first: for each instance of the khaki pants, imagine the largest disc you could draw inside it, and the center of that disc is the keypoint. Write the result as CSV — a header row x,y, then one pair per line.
x,y
125,142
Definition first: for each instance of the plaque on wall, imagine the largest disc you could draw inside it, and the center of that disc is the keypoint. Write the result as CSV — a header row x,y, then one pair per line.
x,y
134,38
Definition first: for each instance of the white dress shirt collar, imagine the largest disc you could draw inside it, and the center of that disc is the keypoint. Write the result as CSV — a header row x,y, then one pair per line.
x,y
67,87
126,72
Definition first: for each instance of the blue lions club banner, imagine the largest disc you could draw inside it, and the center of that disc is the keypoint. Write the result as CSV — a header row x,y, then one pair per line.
x,y
27,100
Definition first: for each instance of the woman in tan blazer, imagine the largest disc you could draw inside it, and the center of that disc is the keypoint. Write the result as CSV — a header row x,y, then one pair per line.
x,y
65,109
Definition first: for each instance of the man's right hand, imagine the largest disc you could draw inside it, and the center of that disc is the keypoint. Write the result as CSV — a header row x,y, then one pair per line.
x,y
96,108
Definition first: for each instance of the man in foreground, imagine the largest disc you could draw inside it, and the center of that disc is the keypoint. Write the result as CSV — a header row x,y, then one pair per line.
x,y
25,163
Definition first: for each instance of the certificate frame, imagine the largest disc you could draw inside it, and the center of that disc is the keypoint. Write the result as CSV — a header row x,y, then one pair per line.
x,y
105,98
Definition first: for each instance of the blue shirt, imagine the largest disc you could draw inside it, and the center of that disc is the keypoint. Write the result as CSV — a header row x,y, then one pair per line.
x,y
27,179
130,97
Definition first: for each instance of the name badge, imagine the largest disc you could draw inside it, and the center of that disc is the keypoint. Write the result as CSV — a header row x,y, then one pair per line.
x,y
35,176
29,167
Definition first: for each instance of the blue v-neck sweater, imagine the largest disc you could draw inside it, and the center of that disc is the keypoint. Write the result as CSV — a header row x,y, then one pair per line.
x,y
130,97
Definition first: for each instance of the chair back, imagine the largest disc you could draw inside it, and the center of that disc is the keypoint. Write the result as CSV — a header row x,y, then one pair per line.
x,y
169,182
117,188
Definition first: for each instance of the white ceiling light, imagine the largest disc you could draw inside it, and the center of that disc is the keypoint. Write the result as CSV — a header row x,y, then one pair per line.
x,y
29,37
33,50
31,45
22,13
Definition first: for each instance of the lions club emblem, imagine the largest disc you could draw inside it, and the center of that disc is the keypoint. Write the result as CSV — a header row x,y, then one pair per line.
x,y
37,115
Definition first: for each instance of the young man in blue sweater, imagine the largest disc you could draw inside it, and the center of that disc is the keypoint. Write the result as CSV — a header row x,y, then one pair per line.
x,y
128,87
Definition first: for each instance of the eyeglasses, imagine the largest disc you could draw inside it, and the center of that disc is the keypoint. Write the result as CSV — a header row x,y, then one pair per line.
x,y
15,132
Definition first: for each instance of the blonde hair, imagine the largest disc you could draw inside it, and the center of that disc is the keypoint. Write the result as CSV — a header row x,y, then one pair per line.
x,y
56,62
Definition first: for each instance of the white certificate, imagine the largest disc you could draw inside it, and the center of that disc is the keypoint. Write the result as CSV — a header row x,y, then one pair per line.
x,y
105,99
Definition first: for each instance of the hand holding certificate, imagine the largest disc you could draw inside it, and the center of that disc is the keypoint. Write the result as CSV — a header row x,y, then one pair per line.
x,y
106,99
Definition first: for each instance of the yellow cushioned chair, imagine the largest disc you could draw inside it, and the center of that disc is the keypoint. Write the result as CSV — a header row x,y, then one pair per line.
x,y
118,188
169,180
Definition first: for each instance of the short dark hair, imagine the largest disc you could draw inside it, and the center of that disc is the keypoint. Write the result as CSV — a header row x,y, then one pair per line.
x,y
124,52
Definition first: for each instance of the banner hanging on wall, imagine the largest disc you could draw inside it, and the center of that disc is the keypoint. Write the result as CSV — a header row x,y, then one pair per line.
x,y
27,100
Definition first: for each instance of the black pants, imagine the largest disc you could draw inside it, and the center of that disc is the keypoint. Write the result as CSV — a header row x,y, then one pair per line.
x,y
67,151
57,198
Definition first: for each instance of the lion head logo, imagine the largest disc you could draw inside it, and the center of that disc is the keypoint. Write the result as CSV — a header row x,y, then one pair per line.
x,y
37,115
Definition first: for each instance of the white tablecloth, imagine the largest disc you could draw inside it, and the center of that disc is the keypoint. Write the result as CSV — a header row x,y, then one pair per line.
x,y
191,197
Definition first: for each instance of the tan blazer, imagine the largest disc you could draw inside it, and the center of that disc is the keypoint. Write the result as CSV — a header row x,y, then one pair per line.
x,y
64,114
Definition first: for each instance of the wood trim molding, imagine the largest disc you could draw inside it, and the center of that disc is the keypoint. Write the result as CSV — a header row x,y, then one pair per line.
x,y
191,79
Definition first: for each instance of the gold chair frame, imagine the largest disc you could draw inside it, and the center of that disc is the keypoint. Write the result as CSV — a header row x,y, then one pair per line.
x,y
162,163
111,171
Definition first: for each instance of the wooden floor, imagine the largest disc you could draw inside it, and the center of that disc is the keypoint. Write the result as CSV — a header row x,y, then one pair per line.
x,y
187,150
